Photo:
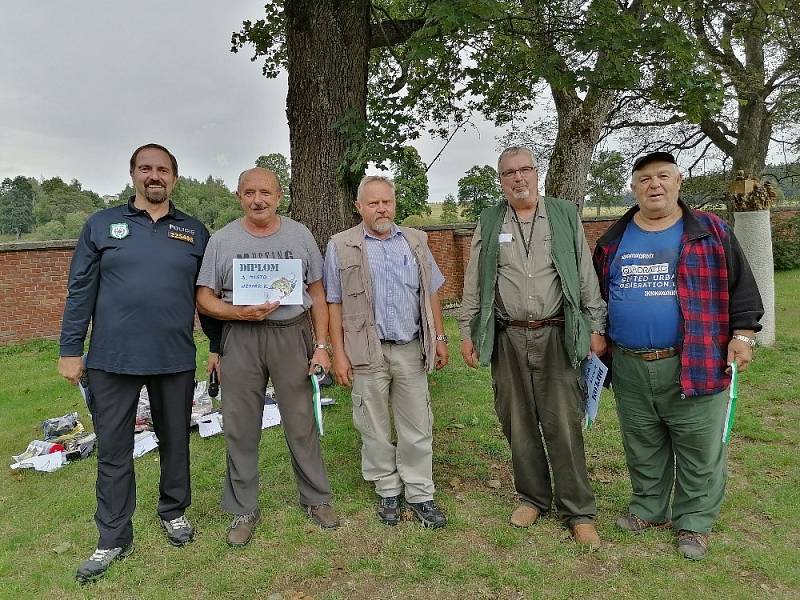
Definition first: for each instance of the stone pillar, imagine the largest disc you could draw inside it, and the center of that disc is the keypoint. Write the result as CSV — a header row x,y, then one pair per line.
x,y
753,231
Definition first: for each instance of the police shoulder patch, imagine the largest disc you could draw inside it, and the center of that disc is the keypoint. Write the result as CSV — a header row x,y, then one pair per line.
x,y
119,230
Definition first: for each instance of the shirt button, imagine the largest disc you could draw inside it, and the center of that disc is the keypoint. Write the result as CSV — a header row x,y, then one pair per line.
x,y
530,297
529,275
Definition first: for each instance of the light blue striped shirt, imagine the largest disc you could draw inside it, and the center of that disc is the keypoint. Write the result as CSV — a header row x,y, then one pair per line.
x,y
395,284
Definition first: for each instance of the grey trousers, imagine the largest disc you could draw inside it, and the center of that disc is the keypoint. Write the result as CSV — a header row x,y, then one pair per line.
x,y
403,384
252,353
535,387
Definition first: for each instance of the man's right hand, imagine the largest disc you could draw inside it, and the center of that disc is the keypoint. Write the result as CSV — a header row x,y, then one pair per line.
x,y
342,369
469,353
256,312
70,368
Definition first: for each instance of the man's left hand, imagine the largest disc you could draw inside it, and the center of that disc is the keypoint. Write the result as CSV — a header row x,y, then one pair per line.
x,y
741,352
441,355
598,344
320,358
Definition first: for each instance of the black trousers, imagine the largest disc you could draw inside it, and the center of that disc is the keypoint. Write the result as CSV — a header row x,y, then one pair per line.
x,y
115,398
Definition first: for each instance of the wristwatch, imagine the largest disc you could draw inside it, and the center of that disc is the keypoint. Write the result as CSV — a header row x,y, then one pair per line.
x,y
319,346
442,338
743,338
598,331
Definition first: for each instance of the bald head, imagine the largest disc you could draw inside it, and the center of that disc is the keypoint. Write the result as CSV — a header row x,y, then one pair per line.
x,y
258,172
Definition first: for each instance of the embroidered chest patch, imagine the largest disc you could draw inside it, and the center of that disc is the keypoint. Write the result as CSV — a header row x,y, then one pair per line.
x,y
119,231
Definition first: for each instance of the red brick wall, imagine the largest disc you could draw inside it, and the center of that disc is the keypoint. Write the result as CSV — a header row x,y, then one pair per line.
x,y
33,276
33,279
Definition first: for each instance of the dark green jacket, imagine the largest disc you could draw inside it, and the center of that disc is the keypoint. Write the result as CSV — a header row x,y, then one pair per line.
x,y
566,248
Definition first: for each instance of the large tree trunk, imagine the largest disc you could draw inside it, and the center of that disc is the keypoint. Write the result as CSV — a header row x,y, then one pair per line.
x,y
328,45
580,123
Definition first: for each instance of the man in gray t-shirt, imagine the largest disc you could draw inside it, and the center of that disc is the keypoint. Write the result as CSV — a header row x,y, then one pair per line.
x,y
266,341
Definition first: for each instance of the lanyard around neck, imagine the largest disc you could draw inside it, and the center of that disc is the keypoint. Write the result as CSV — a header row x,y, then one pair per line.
x,y
526,243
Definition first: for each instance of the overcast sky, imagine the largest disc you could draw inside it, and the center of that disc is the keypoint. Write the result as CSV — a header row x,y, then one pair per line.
x,y
84,82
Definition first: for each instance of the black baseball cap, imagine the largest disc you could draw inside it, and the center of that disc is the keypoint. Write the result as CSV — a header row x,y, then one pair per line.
x,y
653,157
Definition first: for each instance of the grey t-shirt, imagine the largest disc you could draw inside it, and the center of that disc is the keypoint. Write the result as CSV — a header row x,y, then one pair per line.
x,y
292,240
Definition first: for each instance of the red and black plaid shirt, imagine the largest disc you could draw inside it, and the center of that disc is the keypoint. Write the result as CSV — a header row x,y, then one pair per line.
x,y
716,294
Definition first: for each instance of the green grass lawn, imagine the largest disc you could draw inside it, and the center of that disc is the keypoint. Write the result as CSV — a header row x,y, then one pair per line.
x,y
47,524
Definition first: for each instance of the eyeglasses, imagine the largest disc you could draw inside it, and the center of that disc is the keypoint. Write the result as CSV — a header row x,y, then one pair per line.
x,y
524,171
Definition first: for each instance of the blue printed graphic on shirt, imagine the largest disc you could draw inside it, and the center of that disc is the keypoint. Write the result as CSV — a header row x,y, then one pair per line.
x,y
643,309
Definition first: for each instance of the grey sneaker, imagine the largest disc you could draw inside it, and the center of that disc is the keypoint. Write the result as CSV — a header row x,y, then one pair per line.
x,y
242,527
97,564
179,530
389,510
428,513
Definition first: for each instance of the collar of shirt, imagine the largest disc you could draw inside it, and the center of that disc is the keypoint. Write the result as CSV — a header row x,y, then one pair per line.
x,y
395,231
133,211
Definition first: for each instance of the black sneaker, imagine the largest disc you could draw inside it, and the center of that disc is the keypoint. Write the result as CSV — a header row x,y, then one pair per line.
x,y
179,530
389,510
429,514
97,564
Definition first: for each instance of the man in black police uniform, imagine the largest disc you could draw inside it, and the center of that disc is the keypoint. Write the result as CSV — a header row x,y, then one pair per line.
x,y
133,275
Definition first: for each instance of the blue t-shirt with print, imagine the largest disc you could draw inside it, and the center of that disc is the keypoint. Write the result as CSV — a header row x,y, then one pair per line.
x,y
643,309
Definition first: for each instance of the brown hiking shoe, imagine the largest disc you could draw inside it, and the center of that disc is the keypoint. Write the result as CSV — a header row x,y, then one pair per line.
x,y
586,535
323,515
524,515
241,529
636,524
693,544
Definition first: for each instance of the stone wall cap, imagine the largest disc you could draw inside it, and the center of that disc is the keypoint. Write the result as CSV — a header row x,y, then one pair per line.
x,y
40,245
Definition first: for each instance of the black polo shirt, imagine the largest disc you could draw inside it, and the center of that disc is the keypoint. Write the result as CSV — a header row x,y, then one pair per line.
x,y
135,280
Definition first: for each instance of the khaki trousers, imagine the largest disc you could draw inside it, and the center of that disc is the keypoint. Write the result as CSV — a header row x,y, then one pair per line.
x,y
403,385
539,401
254,352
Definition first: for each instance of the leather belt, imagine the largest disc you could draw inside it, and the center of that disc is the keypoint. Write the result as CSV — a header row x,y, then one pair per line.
x,y
649,355
557,322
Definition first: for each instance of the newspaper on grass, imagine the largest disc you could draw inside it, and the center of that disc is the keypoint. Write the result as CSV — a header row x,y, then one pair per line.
x,y
594,374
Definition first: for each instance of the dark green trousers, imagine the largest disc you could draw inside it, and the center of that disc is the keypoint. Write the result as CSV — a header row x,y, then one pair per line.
x,y
670,440
539,402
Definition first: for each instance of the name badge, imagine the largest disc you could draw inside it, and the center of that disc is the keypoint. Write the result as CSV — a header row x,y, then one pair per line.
x,y
504,238
184,237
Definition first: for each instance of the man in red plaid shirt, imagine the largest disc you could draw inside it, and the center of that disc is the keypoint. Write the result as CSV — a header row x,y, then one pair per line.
x,y
682,306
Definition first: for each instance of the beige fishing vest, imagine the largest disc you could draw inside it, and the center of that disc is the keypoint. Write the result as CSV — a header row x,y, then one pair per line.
x,y
361,341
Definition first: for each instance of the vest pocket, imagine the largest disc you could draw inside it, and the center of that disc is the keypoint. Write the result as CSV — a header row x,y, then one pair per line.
x,y
356,342
350,276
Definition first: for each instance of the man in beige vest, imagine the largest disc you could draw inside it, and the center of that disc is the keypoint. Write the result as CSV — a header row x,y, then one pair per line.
x,y
386,331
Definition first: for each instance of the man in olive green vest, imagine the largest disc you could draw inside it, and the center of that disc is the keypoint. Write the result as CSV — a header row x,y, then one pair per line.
x,y
532,308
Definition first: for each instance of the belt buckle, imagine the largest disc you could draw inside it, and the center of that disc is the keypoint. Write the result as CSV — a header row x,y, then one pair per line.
x,y
656,353
531,324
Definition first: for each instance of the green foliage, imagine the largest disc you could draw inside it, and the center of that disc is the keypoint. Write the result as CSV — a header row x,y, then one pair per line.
x,y
210,201
449,209
607,178
706,191
786,243
52,230
278,164
16,206
411,184
61,199
478,189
